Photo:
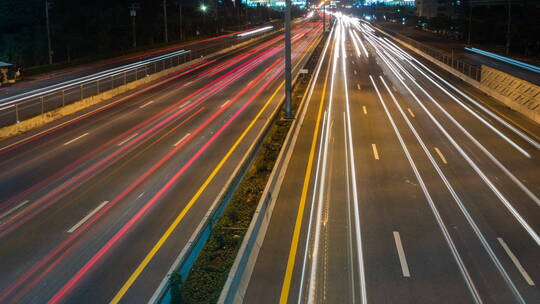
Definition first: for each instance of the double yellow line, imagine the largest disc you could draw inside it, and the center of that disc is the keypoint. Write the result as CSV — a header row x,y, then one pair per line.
x,y
120,294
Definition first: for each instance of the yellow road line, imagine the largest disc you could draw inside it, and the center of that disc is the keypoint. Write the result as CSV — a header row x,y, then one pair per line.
x,y
190,204
298,225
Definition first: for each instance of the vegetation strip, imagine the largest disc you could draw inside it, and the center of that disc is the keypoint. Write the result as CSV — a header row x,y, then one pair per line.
x,y
210,270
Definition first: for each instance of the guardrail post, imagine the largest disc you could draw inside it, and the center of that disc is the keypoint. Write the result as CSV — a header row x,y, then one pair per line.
x,y
63,98
97,85
125,76
42,105
81,92
17,112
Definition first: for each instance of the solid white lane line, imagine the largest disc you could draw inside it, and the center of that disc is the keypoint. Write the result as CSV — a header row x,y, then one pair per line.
x,y
146,104
87,217
10,211
127,139
375,152
75,139
364,109
410,112
516,262
401,254
441,155
225,103
182,139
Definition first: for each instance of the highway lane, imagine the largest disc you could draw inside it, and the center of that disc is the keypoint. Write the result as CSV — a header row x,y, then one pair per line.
x,y
403,204
101,191
202,45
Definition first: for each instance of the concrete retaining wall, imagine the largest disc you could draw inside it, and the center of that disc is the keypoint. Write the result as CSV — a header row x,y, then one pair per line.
x,y
517,94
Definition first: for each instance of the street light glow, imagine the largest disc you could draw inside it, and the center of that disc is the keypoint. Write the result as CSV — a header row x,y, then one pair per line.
x,y
203,7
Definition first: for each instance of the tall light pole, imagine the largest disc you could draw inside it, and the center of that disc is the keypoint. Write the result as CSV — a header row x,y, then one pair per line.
x,y
133,13
288,63
165,20
470,22
49,49
508,30
180,17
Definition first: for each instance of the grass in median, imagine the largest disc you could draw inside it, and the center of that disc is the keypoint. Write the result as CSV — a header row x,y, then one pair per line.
x,y
209,273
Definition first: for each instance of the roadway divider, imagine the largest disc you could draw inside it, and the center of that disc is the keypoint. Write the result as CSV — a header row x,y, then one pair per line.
x,y
240,273
515,93
188,256
39,114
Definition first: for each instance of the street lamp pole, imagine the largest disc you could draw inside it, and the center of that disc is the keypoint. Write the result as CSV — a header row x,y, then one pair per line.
x,y
133,13
470,22
288,63
508,30
165,20
49,49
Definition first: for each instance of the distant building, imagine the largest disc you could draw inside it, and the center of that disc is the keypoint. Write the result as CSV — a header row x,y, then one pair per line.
x,y
434,8
273,3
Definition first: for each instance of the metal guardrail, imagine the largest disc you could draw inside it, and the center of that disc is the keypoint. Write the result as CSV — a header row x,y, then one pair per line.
x,y
471,70
37,102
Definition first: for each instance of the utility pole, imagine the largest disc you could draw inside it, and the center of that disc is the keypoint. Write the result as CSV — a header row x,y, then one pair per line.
x,y
508,31
49,49
165,20
288,63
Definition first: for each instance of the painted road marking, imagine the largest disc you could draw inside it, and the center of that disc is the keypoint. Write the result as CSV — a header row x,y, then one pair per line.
x,y
183,105
401,254
75,139
87,217
225,103
353,62
303,197
410,112
125,287
146,104
10,211
354,72
188,83
364,109
516,262
182,139
375,152
127,139
358,86
441,155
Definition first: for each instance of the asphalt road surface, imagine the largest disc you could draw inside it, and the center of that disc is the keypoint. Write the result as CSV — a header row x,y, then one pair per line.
x,y
96,208
405,186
